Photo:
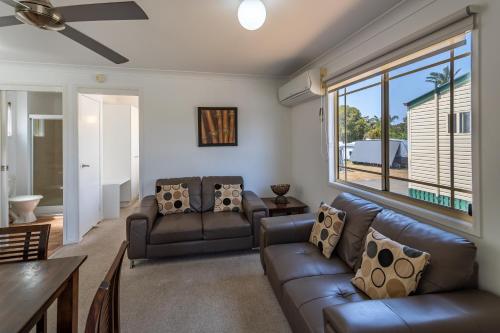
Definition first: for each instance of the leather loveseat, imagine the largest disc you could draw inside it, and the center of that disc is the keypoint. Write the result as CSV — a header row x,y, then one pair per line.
x,y
152,235
316,294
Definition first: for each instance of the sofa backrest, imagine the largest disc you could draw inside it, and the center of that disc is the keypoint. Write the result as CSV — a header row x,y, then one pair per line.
x,y
208,189
359,216
453,257
194,186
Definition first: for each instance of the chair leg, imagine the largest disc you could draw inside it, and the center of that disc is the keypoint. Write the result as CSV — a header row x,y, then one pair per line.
x,y
132,263
41,325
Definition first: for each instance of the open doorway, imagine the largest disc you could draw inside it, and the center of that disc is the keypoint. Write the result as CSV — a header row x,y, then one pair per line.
x,y
108,132
32,132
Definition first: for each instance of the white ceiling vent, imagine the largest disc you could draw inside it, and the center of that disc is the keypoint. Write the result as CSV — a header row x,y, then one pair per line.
x,y
301,89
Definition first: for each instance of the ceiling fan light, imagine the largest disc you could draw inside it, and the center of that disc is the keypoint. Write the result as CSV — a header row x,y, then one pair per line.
x,y
252,14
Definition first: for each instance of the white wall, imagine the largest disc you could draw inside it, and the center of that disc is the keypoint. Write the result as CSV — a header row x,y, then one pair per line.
x,y
309,171
116,142
168,103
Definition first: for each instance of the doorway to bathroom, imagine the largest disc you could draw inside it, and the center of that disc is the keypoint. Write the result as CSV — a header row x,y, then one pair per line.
x,y
32,161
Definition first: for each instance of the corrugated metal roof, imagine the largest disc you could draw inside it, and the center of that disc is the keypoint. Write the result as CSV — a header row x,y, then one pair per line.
x,y
370,151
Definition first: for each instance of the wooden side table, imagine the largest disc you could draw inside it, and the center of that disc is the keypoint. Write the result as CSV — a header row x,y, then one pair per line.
x,y
294,206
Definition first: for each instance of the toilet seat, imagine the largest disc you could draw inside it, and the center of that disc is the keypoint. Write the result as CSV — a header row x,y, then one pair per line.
x,y
24,198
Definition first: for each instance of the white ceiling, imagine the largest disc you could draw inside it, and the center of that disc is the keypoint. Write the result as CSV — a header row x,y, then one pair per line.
x,y
202,35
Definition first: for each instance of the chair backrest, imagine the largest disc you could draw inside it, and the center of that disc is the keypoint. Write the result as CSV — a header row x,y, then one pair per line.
x,y
104,314
24,243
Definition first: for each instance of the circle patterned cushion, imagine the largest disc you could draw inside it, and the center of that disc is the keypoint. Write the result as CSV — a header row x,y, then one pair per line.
x,y
173,199
327,229
228,198
388,268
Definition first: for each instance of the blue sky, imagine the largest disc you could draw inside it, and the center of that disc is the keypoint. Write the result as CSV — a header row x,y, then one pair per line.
x,y
405,88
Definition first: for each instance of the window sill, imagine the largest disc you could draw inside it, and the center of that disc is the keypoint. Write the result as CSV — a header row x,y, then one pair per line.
x,y
429,216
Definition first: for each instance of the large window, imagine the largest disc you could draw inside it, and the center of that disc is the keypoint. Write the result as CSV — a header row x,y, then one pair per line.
x,y
405,128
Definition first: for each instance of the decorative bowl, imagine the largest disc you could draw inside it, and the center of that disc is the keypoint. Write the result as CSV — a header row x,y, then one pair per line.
x,y
280,190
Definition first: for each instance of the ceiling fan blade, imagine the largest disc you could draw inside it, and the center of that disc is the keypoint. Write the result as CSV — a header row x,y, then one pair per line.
x,y
6,21
93,45
13,3
127,10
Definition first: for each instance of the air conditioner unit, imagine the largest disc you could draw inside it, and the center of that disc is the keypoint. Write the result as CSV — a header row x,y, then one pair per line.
x,y
301,89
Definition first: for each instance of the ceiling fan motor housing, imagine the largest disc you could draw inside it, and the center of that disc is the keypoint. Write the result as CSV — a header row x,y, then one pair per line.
x,y
41,14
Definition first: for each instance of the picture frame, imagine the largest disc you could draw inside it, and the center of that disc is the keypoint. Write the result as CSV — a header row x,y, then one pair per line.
x,y
217,126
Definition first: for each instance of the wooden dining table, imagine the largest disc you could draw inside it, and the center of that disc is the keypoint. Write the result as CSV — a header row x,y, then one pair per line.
x,y
27,289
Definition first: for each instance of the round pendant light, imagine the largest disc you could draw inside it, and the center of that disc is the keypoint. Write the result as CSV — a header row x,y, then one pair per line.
x,y
252,14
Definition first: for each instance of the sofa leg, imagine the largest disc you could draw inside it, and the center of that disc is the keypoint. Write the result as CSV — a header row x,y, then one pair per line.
x,y
132,263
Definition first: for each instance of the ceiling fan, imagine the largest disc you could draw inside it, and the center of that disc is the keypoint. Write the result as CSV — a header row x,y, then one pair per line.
x,y
42,14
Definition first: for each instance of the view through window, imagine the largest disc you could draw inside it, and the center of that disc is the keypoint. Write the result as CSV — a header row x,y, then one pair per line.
x,y
407,129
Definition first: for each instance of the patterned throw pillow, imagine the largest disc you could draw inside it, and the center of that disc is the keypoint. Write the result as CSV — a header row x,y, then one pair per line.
x,y
228,197
327,229
389,269
173,199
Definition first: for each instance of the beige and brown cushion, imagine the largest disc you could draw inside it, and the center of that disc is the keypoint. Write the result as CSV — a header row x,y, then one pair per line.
x,y
389,269
173,199
228,197
327,229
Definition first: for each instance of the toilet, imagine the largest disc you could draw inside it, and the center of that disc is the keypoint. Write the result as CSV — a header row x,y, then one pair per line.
x,y
23,207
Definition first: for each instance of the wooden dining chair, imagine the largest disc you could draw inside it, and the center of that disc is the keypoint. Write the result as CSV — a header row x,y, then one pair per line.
x,y
104,314
25,243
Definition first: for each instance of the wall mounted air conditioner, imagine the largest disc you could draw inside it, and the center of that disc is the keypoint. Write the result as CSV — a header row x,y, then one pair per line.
x,y
302,88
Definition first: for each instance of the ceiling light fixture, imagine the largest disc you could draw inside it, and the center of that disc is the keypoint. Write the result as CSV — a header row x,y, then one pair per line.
x,y
252,14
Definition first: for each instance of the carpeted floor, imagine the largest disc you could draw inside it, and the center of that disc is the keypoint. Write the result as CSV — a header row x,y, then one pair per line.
x,y
216,293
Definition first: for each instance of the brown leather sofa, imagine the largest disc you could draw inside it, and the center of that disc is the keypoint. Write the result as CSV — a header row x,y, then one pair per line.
x,y
316,294
152,235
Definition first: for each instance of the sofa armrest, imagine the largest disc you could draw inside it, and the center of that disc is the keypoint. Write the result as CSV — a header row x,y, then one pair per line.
x,y
458,312
139,225
254,209
285,229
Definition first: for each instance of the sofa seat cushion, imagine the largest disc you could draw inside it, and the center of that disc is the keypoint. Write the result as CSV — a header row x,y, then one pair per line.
x,y
304,299
176,228
287,262
225,225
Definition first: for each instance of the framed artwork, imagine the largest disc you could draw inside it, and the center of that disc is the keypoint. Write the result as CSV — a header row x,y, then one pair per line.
x,y
217,126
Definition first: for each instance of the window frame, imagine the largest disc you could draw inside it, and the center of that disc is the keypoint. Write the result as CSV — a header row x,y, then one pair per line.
x,y
433,213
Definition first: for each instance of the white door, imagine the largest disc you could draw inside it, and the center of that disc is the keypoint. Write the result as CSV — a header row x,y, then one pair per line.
x,y
4,188
134,138
89,147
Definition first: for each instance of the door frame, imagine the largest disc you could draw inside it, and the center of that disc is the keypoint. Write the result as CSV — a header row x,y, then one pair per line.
x,y
68,185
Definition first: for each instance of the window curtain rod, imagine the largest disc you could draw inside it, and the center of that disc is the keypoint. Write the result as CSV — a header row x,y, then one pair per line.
x,y
445,28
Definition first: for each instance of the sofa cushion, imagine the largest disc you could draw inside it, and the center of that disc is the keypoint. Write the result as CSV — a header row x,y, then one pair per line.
x,y
285,262
359,216
194,186
208,189
452,257
225,225
228,198
176,228
304,299
173,199
389,269
327,229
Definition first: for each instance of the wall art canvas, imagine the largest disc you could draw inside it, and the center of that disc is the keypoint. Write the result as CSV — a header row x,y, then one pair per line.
x,y
217,126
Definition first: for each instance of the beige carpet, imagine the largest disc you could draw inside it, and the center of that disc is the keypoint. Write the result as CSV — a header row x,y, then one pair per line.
x,y
215,293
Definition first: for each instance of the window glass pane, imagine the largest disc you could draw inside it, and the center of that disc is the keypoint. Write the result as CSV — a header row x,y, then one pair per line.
x,y
363,83
424,193
462,148
421,63
363,129
467,47
341,136
364,178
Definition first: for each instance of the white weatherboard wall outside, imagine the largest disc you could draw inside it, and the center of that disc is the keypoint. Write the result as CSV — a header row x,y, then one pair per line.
x,y
168,124
310,171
